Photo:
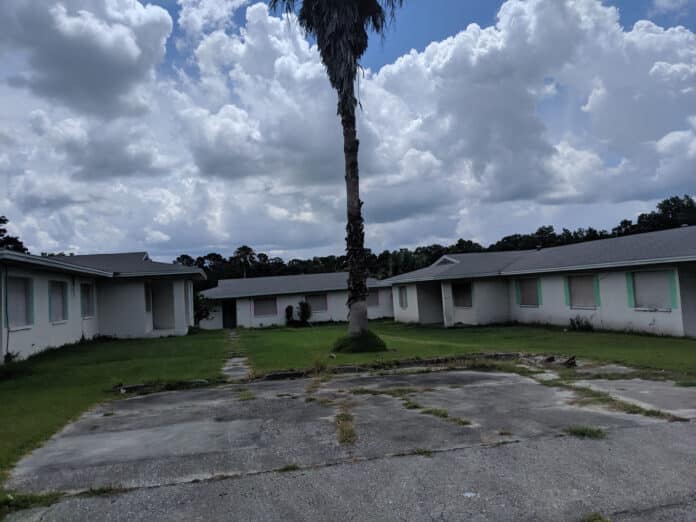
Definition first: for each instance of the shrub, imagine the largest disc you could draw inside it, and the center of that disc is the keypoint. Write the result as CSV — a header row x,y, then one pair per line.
x,y
367,342
581,324
289,315
304,312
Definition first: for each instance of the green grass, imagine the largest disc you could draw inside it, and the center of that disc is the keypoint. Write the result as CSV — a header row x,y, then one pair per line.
x,y
286,348
56,386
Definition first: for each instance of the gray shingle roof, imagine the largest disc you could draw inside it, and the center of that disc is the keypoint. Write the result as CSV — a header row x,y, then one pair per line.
x,y
279,285
664,246
131,264
478,264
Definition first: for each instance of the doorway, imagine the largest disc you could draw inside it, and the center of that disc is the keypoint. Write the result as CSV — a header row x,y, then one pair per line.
x,y
229,313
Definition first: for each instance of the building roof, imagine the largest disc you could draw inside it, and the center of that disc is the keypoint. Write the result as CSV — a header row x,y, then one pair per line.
x,y
664,246
454,266
280,285
131,264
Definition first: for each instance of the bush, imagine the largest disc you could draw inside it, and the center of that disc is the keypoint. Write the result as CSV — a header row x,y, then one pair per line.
x,y
289,315
367,342
581,324
304,312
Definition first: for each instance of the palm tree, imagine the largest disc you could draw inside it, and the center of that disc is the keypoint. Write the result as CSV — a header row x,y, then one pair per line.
x,y
341,31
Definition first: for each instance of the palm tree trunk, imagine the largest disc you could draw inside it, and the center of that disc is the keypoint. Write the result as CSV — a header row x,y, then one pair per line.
x,y
355,234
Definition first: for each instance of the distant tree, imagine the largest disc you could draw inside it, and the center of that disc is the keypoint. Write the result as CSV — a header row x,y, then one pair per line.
x,y
185,260
246,257
10,242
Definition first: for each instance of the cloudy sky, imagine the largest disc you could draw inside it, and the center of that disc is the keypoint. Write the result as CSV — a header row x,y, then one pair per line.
x,y
199,125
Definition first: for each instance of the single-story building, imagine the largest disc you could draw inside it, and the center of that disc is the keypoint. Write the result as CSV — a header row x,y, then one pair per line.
x,y
643,283
49,301
261,301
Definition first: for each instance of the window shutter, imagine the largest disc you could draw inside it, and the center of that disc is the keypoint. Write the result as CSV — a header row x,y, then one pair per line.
x,y
66,308
517,292
30,291
629,290
50,302
539,300
674,301
5,310
597,299
566,290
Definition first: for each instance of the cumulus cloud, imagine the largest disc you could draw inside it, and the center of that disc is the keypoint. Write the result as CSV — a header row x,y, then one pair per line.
x,y
493,130
665,6
94,56
198,16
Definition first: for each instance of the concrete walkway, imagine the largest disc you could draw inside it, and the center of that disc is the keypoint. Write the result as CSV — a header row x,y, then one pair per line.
x,y
236,368
218,454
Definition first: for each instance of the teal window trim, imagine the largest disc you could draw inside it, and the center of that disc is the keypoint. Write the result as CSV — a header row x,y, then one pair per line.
x,y
630,292
566,290
673,294
597,298
540,301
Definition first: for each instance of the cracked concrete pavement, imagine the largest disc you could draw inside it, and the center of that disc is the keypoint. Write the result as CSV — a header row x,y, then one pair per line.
x,y
205,454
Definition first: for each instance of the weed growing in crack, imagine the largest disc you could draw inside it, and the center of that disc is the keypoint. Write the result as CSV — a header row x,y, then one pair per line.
x,y
586,432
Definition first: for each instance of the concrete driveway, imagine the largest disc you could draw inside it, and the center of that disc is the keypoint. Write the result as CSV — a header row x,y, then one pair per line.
x,y
501,453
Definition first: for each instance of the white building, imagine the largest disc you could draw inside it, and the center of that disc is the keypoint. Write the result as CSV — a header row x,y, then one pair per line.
x,y
261,301
642,283
51,301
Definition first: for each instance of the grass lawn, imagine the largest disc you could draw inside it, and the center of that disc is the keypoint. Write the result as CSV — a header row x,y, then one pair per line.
x,y
284,348
58,385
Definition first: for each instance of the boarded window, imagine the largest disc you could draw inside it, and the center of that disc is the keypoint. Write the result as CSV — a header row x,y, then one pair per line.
x,y
461,294
19,301
373,298
265,306
652,290
528,291
403,297
57,301
148,297
318,302
87,299
582,291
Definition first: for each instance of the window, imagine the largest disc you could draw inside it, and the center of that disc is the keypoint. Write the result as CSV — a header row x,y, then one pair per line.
x,y
148,297
20,306
403,297
265,306
582,292
317,302
653,290
528,291
57,301
87,299
373,298
461,294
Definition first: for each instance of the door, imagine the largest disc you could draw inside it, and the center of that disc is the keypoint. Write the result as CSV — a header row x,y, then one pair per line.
x,y
229,313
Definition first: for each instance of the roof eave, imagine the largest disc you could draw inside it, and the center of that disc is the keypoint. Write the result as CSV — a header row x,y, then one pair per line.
x,y
595,266
49,263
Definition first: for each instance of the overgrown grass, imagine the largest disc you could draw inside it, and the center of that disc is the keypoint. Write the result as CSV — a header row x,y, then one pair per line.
x,y
11,502
285,348
586,432
245,395
50,389
345,429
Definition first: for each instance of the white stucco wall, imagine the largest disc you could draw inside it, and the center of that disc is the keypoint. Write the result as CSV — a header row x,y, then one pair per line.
x,y
337,310
42,334
410,313
612,314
